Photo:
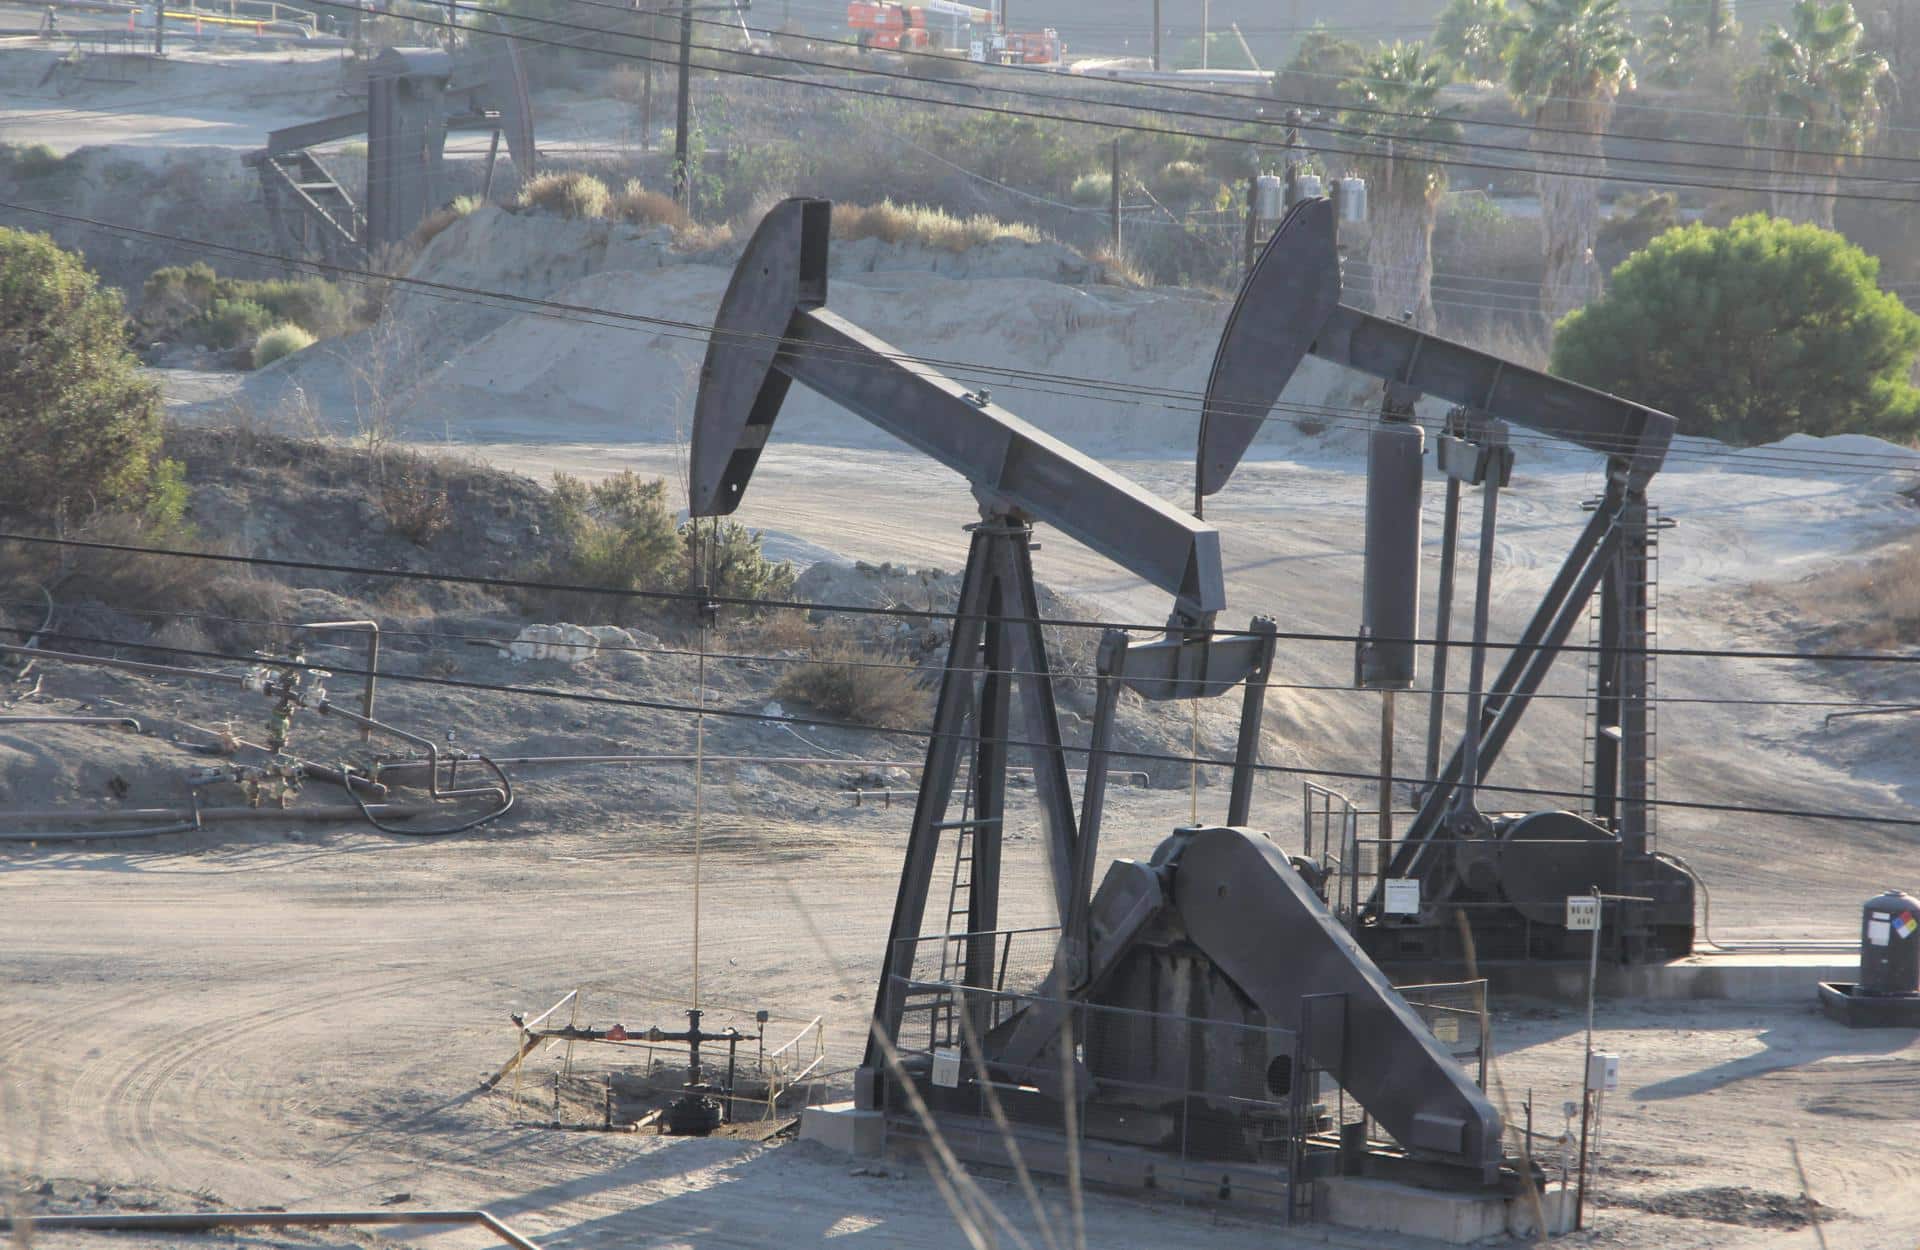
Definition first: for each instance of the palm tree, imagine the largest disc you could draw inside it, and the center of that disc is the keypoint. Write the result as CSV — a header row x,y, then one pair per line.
x,y
1472,34
1818,97
1399,86
1567,64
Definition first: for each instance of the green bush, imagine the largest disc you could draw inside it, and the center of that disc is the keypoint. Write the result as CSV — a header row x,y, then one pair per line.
x,y
1751,332
79,424
620,534
1185,181
1095,188
231,323
195,303
36,160
280,340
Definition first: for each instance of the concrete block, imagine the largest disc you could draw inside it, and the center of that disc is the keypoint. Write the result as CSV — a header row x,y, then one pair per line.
x,y
843,1126
1456,1219
1390,1207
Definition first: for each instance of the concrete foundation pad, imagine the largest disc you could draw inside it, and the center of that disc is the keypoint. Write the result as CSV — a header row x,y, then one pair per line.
x,y
1453,1218
843,1126
1865,1011
1706,977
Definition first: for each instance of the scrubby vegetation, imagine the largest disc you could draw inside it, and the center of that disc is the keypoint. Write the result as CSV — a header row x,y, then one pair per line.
x,y
194,304
1751,332
281,340
841,680
80,426
933,227
620,534
574,194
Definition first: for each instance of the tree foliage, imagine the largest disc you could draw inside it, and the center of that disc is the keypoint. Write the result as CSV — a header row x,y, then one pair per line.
x,y
1677,46
620,534
1750,332
1569,51
79,424
1816,94
1566,66
1473,34
1399,87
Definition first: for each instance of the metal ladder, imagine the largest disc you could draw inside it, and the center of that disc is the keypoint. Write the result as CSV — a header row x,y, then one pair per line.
x,y
1649,584
953,949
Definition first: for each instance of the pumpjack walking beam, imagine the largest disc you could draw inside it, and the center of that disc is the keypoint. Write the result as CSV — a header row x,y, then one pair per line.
x,y
773,329
1289,308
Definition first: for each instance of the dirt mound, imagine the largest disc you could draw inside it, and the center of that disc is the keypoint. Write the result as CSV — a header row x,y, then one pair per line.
x,y
1730,1204
470,368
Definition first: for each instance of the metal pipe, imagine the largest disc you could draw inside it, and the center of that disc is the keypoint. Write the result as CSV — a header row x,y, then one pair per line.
x,y
1442,628
1465,797
128,721
186,820
372,629
131,666
203,1221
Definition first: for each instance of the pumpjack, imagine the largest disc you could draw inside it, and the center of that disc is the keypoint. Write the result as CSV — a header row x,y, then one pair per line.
x,y
1508,874
1115,1042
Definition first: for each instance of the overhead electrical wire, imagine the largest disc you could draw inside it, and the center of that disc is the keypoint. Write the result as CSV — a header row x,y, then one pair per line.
x,y
921,614
1234,96
505,643
1831,462
1108,124
926,735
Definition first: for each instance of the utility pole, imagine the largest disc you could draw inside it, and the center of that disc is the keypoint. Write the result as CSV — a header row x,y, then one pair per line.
x,y
1713,23
1206,21
1156,34
682,176
646,84
159,27
1113,201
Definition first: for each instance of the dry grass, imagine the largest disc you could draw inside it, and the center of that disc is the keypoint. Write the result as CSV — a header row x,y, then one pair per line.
x,y
573,194
1117,270
847,682
435,223
644,207
933,227
700,237
1873,605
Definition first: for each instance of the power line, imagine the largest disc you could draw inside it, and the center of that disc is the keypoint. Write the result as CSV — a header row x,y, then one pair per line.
x,y
1241,97
506,644
924,614
1133,127
924,735
1831,463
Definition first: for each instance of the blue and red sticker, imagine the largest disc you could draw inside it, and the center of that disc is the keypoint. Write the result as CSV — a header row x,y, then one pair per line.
x,y
1906,925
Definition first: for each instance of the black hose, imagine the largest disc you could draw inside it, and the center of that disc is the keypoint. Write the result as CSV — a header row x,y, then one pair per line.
x,y
506,804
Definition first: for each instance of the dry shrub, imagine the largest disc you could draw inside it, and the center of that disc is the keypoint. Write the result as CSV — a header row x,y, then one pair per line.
x,y
644,207
696,237
933,227
847,682
413,498
1117,270
1873,605
782,629
431,227
573,194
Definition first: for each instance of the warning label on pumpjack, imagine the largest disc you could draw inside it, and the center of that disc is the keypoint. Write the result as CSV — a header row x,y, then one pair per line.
x,y
1878,928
